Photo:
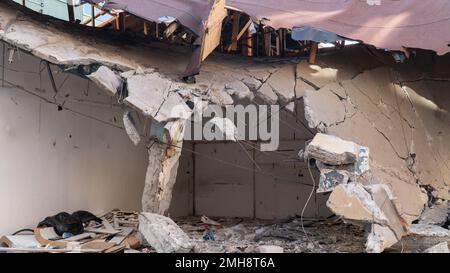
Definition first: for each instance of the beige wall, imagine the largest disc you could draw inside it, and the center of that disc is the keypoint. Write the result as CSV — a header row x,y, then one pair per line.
x,y
53,161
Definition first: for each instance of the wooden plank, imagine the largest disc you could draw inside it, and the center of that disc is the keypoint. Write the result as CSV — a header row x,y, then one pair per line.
x,y
81,237
102,230
247,44
98,245
111,20
107,224
213,28
115,249
118,239
171,28
313,52
145,28
267,39
235,32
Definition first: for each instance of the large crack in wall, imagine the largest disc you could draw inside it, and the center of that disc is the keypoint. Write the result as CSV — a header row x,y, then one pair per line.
x,y
401,113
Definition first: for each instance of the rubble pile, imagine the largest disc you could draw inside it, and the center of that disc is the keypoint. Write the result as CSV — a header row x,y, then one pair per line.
x,y
116,231
239,235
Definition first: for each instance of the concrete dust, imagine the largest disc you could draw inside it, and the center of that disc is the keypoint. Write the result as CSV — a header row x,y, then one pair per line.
x,y
238,235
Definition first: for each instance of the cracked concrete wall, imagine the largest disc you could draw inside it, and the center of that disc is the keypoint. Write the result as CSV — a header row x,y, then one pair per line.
x,y
77,157
399,111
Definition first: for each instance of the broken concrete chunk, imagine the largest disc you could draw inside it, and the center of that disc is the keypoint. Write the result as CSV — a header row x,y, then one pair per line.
x,y
383,197
353,202
163,234
379,239
439,248
107,79
428,230
130,128
332,150
330,179
270,249
436,215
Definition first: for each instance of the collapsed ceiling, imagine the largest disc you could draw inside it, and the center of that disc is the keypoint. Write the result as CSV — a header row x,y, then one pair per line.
x,y
392,25
359,95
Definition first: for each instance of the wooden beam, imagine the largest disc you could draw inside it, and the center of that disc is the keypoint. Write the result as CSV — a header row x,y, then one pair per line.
x,y
102,12
313,52
267,39
235,32
209,39
122,21
145,28
247,44
70,13
109,21
93,15
171,28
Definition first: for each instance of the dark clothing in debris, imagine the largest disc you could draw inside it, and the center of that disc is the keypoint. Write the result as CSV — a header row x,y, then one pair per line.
x,y
63,223
70,224
85,217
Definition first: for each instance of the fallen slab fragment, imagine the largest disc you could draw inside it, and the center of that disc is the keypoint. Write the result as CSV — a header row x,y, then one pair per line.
x,y
439,248
130,128
107,79
384,198
332,150
163,234
428,230
379,239
353,202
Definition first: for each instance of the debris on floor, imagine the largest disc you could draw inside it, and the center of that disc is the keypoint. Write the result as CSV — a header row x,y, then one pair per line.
x,y
81,231
240,235
439,248
163,234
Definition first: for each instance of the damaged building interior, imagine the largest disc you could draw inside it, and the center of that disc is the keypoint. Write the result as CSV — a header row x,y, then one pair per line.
x,y
96,107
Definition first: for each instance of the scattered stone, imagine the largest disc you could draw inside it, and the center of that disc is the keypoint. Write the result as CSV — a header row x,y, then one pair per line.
x,y
428,230
270,249
163,234
436,215
379,239
439,248
332,150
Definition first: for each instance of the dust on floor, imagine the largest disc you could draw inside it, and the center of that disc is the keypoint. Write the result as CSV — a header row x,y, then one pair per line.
x,y
238,235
